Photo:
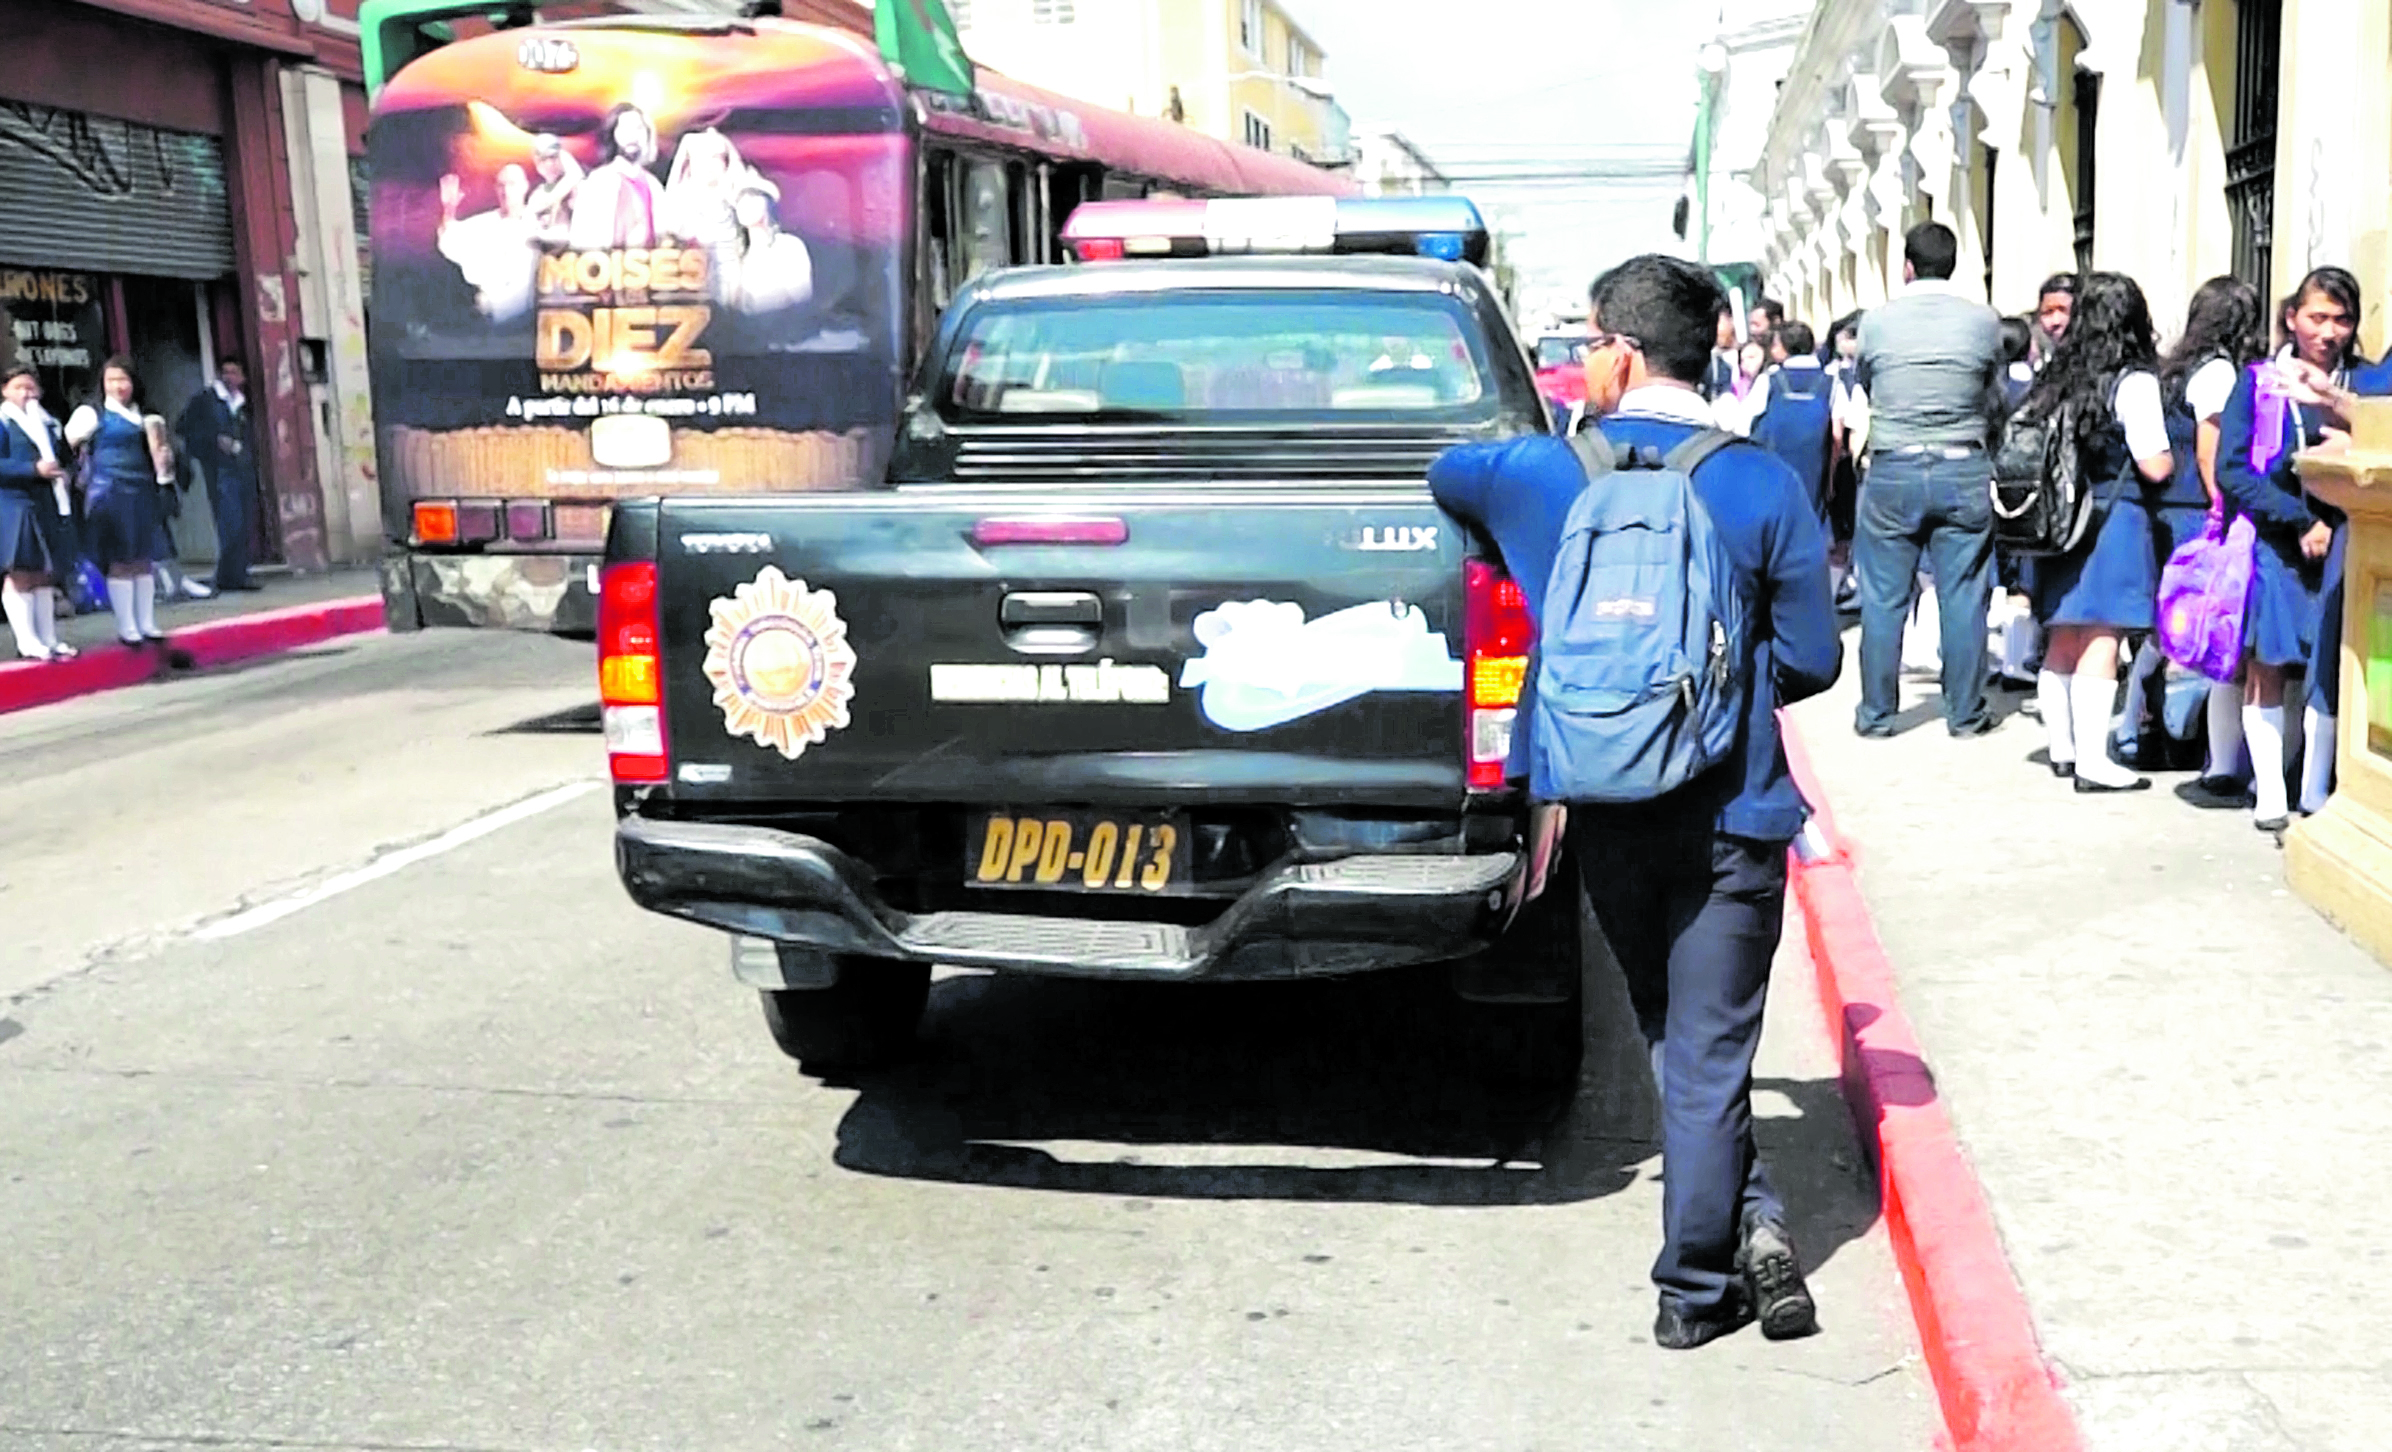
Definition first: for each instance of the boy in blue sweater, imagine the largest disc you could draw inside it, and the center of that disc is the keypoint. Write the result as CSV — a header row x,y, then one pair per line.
x,y
1689,888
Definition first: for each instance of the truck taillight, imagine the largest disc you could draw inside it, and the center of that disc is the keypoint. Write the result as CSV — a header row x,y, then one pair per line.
x,y
631,672
1497,635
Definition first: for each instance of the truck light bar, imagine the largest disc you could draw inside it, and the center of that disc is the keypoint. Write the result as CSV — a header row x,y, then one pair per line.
x,y
1445,227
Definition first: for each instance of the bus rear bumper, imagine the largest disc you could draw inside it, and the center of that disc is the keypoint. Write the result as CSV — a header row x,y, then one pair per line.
x,y
554,594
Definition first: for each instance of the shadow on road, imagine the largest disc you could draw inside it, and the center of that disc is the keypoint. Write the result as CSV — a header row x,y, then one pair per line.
x,y
1358,1090
580,720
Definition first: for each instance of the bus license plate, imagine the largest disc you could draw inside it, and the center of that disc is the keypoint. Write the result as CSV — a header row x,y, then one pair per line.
x,y
1119,852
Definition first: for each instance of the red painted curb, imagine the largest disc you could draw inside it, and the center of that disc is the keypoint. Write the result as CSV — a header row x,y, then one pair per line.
x,y
1997,1392
26,684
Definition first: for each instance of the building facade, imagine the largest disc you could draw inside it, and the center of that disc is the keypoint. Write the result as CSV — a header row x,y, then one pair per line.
x,y
178,182
1391,164
1242,70
2169,139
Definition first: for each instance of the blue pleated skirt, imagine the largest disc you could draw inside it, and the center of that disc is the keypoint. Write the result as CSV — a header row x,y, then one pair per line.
x,y
2112,582
35,538
123,520
2280,622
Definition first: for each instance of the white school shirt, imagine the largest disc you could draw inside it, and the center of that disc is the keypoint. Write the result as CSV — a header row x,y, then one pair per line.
x,y
37,423
2206,392
84,423
2136,406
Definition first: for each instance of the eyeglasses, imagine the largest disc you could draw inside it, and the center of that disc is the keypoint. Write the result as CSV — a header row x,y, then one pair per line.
x,y
1597,341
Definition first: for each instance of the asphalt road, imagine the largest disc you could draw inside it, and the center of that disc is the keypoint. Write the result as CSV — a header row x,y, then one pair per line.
x,y
338,1112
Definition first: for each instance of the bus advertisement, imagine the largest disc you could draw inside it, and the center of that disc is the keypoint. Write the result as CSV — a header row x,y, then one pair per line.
x,y
633,257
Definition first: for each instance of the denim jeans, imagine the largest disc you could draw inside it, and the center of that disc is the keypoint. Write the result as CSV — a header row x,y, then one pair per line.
x,y
1914,504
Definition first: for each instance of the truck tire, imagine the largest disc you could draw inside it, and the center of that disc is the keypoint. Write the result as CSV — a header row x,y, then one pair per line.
x,y
1539,1044
865,1019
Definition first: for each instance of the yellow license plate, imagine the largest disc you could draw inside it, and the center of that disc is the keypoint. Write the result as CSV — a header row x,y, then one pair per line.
x,y
1078,852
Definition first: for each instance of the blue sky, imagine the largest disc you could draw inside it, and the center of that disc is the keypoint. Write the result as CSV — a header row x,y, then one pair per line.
x,y
1524,83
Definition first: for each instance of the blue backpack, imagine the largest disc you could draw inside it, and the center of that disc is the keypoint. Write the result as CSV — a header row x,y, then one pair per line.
x,y
1640,654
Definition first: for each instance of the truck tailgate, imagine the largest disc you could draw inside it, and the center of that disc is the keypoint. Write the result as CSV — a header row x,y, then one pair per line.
x,y
1155,646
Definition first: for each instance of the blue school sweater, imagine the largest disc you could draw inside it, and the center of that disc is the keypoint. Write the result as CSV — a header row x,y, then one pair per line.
x,y
1519,492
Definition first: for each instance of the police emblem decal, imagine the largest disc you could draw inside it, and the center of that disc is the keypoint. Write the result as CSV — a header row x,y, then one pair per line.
x,y
781,667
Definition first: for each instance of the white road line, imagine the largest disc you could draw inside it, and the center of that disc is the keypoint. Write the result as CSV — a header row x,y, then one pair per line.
x,y
274,912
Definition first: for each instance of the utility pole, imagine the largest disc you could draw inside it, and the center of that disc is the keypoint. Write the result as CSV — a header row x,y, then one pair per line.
x,y
1710,74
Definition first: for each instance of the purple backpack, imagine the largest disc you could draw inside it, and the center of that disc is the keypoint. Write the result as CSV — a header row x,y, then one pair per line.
x,y
2202,594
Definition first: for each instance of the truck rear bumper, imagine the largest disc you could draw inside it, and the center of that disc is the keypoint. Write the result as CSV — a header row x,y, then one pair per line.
x,y
537,592
1303,920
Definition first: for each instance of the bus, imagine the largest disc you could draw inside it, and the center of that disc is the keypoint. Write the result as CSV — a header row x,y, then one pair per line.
x,y
633,255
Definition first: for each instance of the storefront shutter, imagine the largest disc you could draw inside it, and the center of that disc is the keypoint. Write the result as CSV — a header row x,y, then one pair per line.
x,y
101,195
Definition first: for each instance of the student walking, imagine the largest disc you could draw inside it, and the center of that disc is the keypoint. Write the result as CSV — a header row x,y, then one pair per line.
x,y
1929,360
2271,416
2224,333
2103,379
129,465
37,537
1689,887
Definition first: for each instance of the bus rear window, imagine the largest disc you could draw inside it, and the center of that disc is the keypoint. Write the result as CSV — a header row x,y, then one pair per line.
x,y
1269,353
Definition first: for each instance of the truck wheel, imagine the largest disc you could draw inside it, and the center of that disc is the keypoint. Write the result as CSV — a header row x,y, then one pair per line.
x,y
865,1019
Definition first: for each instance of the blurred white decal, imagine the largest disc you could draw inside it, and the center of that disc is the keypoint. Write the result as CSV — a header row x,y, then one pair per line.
x,y
1265,665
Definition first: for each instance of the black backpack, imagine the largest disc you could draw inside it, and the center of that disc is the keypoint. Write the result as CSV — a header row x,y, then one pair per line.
x,y
2042,502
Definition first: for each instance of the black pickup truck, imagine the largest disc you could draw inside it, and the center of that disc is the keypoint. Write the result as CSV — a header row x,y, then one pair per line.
x,y
1154,661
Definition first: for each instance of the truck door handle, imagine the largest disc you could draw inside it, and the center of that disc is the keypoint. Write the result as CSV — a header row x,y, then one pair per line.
x,y
1051,622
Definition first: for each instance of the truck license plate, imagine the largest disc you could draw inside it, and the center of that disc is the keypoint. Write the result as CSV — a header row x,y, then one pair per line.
x,y
1078,852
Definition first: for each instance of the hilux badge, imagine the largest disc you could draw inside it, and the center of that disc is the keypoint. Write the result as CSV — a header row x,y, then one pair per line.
x,y
1397,538
778,658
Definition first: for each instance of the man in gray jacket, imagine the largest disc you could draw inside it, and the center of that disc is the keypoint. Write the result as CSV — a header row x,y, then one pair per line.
x,y
1928,362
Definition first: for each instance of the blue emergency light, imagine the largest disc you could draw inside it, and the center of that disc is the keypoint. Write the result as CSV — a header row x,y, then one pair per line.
x,y
1445,227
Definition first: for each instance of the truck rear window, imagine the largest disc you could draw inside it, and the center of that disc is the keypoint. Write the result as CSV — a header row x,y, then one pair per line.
x,y
1274,353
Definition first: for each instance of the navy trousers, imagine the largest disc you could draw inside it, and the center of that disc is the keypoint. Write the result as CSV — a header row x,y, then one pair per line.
x,y
1693,918
229,496
1914,504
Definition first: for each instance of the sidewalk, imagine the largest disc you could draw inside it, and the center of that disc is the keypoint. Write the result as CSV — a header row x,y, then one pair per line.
x,y
97,631
289,612
2169,1073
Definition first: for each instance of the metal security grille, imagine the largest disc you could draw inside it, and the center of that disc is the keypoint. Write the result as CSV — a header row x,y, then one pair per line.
x,y
2251,152
88,192
2088,150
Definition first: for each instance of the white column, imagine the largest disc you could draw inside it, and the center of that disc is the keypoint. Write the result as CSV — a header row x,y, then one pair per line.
x,y
332,311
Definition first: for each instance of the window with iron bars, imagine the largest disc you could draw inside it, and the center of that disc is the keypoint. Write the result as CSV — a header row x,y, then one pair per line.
x,y
2088,127
1258,132
2251,149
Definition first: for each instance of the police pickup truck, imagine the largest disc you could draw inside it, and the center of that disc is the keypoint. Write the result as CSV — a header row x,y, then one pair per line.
x,y
1154,661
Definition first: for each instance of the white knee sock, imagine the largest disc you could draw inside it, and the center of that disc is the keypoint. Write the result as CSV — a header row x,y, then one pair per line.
x,y
18,607
2051,696
45,618
2090,698
2225,730
2147,667
145,605
2317,761
2263,732
2018,646
120,605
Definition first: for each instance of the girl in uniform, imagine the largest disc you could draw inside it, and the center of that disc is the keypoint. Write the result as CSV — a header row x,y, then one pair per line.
x,y
37,543
123,504
2223,335
2319,325
2105,373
